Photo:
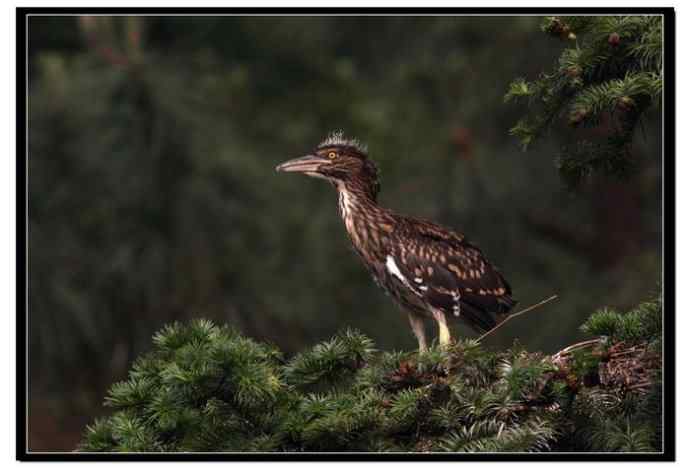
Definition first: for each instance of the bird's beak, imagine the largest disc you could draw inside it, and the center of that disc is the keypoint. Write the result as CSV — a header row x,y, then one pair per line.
x,y
306,164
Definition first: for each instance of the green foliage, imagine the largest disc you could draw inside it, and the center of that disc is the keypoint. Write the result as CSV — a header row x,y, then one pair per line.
x,y
640,324
606,416
207,388
490,436
608,76
332,360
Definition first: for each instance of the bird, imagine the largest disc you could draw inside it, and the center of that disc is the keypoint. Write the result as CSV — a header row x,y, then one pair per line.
x,y
430,271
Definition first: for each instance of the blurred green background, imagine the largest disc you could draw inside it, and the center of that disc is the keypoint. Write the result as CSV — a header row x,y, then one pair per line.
x,y
153,196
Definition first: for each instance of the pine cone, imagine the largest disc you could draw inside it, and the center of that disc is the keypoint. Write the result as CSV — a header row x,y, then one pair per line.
x,y
614,39
626,103
574,71
555,27
577,117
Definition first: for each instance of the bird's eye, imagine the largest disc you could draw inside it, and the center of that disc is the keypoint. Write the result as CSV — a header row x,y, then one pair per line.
x,y
331,155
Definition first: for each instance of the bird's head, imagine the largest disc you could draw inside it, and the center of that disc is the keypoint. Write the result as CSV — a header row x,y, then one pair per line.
x,y
342,161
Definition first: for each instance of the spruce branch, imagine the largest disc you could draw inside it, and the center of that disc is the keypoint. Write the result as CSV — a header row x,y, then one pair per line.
x,y
204,387
610,77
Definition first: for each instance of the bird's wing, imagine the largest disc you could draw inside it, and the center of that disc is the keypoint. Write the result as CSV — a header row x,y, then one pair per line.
x,y
450,274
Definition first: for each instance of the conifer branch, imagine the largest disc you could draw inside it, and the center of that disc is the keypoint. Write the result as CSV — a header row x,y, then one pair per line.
x,y
610,79
206,388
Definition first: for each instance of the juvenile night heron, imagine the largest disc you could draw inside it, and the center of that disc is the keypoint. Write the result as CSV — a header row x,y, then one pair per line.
x,y
430,271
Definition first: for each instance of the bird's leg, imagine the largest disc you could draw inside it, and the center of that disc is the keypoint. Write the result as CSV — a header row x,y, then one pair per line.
x,y
443,332
417,324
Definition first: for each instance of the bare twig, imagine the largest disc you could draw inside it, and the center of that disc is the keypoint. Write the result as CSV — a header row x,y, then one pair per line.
x,y
576,346
645,384
626,352
510,317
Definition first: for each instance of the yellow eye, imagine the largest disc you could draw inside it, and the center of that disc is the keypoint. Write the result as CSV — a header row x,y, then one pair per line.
x,y
331,155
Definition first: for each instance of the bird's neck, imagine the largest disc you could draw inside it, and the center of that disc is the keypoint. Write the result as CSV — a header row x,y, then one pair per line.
x,y
367,224
355,199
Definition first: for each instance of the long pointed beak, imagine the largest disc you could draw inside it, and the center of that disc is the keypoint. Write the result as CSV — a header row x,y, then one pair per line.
x,y
306,164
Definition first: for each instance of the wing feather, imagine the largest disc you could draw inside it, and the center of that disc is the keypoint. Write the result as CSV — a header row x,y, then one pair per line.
x,y
451,274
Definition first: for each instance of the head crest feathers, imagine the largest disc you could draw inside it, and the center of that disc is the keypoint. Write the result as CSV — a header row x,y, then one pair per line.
x,y
337,139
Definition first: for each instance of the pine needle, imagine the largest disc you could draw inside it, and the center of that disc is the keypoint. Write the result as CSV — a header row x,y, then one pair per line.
x,y
510,317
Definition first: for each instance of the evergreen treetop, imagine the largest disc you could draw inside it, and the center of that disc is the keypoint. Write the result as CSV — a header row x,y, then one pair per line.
x,y
204,387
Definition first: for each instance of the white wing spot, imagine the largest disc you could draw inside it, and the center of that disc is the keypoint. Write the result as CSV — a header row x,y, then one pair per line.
x,y
394,270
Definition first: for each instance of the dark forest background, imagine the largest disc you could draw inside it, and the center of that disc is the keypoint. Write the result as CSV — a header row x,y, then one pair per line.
x,y
153,196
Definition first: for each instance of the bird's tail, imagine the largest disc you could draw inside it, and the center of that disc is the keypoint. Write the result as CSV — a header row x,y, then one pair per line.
x,y
505,305
479,319
484,313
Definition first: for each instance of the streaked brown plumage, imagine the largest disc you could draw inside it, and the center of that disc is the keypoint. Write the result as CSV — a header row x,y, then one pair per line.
x,y
429,270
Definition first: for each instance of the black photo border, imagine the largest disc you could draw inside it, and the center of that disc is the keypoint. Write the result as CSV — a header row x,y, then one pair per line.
x,y
668,220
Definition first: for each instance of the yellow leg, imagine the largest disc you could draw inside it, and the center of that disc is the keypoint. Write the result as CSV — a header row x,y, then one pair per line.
x,y
444,334
444,337
417,324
